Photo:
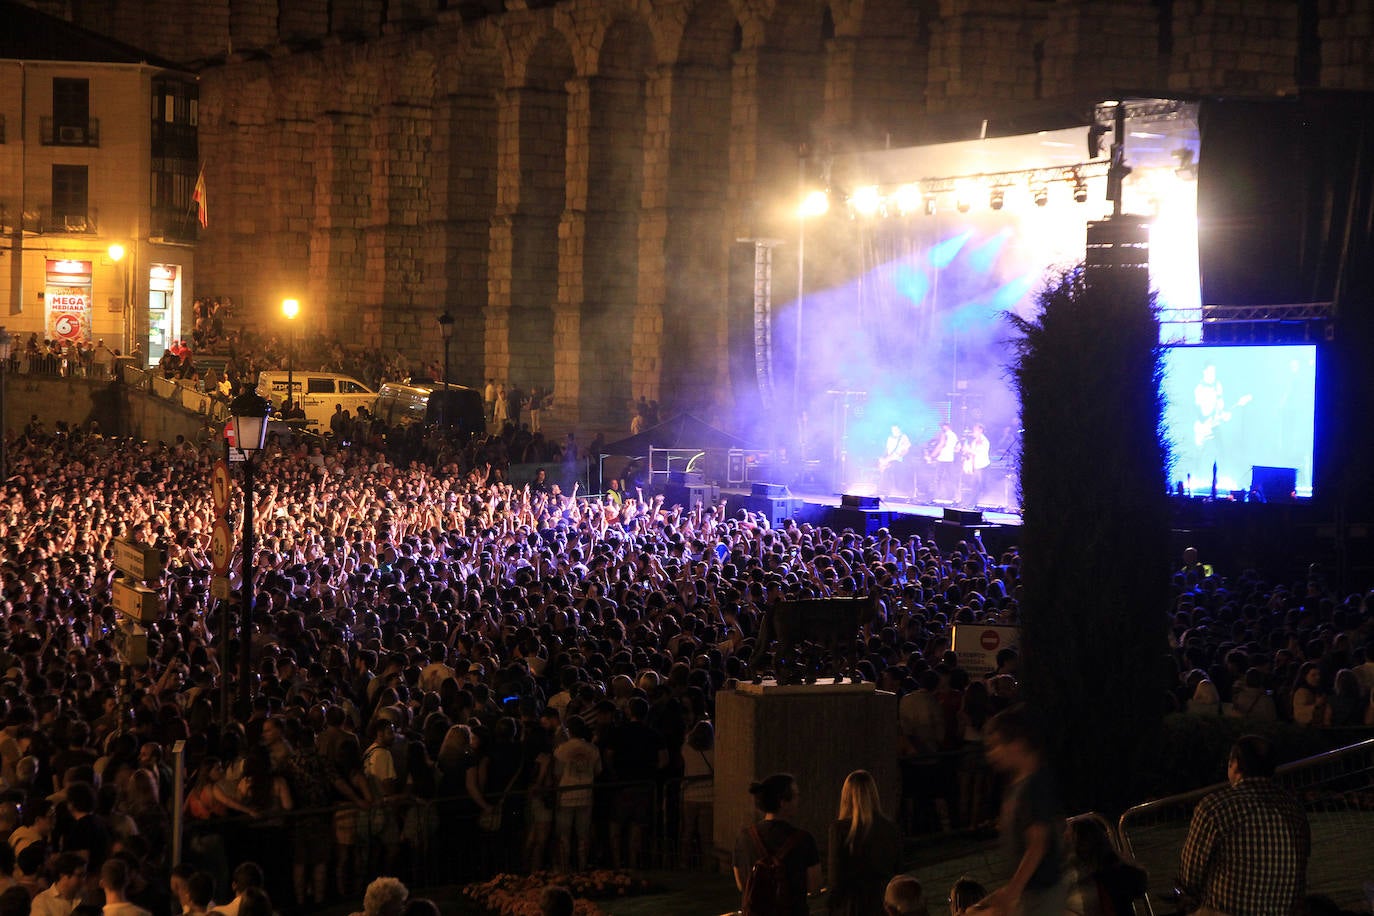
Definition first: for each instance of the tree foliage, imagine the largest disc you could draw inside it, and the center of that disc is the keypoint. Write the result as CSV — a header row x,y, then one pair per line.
x,y
1095,540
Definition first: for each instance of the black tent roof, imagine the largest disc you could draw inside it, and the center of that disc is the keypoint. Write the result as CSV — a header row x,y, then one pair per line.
x,y
682,431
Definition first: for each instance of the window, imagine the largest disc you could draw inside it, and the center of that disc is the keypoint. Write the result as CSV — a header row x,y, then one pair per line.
x,y
319,386
71,102
69,191
352,388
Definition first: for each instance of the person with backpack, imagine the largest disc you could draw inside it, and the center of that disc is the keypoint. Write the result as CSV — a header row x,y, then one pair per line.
x,y
776,864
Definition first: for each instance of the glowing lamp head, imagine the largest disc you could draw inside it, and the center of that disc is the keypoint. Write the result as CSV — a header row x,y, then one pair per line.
x,y
866,201
815,203
290,308
116,253
907,198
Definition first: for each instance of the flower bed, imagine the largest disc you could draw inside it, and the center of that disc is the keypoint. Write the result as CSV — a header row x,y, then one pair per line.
x,y
518,895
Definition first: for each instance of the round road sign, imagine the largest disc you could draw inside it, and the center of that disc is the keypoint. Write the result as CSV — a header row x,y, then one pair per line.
x,y
219,485
990,640
221,547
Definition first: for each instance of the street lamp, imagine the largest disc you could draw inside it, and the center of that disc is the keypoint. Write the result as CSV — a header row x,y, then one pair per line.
x,y
249,412
6,341
446,333
291,308
116,253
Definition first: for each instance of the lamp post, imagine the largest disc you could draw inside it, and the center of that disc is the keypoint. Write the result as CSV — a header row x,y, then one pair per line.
x,y
446,333
6,341
291,308
250,411
116,253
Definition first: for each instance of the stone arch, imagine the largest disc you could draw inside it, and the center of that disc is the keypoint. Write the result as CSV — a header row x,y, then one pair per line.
x,y
531,157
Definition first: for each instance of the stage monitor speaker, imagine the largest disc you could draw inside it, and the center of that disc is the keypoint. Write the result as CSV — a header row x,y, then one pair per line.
x,y
771,490
850,501
964,516
1276,484
684,479
690,496
777,509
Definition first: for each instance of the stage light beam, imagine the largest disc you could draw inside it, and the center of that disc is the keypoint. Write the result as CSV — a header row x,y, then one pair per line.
x,y
866,201
815,203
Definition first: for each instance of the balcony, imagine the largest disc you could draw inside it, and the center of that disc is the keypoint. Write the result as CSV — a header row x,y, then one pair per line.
x,y
85,134
49,222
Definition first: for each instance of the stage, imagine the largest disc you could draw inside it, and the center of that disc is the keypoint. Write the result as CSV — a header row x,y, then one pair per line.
x,y
946,524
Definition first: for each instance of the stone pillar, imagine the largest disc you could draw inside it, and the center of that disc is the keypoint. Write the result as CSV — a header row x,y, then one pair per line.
x,y
598,244
1346,29
982,50
524,247
338,263
679,330
395,241
819,733
1236,45
303,19
1092,43
252,24
462,199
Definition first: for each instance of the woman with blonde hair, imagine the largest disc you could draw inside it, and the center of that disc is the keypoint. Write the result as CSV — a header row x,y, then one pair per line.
x,y
864,849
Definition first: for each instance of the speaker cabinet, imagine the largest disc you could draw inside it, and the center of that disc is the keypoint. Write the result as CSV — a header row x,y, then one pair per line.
x,y
850,501
964,517
770,490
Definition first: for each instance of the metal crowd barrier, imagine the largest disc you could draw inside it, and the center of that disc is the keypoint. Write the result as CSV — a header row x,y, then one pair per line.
x,y
437,841
1336,789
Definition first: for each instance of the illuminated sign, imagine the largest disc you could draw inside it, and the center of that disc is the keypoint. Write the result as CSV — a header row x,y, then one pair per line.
x,y
67,301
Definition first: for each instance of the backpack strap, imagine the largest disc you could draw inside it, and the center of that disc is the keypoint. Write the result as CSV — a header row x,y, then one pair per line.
x,y
781,852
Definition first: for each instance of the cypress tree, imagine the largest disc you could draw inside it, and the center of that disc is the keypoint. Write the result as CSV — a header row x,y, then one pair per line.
x,y
1095,541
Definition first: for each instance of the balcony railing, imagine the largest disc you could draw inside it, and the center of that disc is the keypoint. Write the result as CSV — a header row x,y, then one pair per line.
x,y
46,220
85,134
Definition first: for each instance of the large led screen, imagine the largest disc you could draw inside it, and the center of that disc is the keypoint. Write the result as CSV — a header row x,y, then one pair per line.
x,y
1248,411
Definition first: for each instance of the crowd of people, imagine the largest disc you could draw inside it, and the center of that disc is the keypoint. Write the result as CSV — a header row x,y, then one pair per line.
x,y
531,668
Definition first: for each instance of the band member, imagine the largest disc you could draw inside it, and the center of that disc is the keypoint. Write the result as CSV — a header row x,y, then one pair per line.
x,y
1210,429
943,452
977,456
893,461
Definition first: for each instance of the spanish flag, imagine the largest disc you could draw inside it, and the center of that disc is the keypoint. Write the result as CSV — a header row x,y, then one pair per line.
x,y
198,195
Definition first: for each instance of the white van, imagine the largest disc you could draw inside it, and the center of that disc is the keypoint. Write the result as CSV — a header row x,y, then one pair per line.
x,y
317,393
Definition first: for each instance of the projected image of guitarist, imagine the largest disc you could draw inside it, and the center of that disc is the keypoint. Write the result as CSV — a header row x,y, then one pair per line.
x,y
1210,433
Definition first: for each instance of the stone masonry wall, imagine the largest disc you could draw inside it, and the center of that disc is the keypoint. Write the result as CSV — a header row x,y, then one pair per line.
x,y
567,179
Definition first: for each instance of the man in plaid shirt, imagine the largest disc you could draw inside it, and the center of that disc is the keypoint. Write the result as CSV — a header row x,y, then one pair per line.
x,y
1248,844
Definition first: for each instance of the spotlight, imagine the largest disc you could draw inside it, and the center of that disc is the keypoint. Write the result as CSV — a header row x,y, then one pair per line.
x,y
1041,195
866,201
907,198
1080,191
930,205
996,199
963,206
816,203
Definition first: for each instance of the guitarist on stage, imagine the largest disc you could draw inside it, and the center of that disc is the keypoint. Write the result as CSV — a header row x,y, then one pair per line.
x,y
893,461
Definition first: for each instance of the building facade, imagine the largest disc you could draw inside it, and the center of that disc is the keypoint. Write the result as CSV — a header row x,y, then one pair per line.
x,y
568,178
97,168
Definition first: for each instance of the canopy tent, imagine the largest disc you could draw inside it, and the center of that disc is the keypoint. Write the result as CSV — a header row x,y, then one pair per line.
x,y
681,432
